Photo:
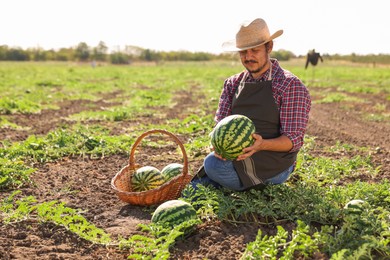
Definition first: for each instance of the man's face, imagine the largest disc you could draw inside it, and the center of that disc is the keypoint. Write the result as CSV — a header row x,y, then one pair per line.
x,y
255,60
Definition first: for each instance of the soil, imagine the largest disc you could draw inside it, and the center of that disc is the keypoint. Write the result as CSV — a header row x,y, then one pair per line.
x,y
84,183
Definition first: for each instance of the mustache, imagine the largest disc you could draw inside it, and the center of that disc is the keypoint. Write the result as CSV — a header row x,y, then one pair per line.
x,y
250,61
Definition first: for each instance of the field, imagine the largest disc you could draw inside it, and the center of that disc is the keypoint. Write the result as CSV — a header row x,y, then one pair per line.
x,y
66,129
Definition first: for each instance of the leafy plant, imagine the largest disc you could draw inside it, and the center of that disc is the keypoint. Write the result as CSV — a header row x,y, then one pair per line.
x,y
52,211
12,106
157,241
13,173
302,244
325,170
363,234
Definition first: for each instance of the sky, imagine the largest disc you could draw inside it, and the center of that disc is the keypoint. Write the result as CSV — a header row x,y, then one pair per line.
x,y
329,26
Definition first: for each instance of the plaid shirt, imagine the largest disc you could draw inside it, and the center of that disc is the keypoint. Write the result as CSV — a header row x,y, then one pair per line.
x,y
291,96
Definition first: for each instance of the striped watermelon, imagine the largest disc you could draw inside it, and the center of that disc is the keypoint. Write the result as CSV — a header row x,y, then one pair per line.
x,y
146,178
231,135
171,170
173,212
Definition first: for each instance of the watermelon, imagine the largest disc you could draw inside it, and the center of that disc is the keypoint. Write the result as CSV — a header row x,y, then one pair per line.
x,y
146,178
171,170
173,212
231,135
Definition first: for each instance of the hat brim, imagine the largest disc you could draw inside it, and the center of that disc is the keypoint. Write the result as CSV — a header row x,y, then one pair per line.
x,y
230,46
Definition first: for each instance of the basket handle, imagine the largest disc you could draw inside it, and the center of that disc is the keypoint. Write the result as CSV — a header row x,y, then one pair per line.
x,y
153,131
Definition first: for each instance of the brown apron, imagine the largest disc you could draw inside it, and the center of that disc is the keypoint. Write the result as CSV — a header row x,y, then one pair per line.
x,y
256,101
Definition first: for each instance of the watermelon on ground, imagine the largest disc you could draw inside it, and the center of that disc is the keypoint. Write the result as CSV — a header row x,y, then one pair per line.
x,y
171,170
146,178
231,135
174,212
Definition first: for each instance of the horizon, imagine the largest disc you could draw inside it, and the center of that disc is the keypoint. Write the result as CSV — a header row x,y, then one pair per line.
x,y
111,51
331,27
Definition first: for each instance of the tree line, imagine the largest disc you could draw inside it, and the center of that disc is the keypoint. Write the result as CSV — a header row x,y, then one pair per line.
x,y
100,53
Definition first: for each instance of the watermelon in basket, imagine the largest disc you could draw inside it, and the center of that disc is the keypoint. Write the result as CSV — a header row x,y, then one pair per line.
x,y
122,185
146,178
171,170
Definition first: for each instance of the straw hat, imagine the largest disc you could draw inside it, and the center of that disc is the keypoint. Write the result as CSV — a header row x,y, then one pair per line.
x,y
251,35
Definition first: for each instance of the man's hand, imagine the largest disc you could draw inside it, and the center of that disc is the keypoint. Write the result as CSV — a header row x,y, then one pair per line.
x,y
278,144
249,151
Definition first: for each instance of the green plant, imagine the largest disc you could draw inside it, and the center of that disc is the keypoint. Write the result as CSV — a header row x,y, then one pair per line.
x,y
14,173
325,170
301,244
11,106
363,234
4,123
53,211
157,240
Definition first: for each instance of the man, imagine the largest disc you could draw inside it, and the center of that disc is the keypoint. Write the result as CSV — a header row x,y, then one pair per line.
x,y
275,100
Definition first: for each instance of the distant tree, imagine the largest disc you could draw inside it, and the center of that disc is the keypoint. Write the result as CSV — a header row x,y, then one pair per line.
x,y
100,52
150,55
50,54
231,56
147,55
82,52
119,58
3,52
133,51
37,54
282,55
17,54
65,54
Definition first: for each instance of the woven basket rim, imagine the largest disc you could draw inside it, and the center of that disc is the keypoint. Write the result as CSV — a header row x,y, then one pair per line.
x,y
142,192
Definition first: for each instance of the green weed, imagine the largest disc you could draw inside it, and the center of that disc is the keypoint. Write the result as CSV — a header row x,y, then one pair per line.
x,y
4,123
301,244
12,106
157,240
13,173
12,210
337,98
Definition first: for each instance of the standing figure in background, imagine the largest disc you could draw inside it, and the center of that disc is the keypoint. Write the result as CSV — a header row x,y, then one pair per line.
x,y
312,57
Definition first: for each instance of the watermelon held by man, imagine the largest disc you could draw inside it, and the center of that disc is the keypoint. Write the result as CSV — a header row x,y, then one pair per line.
x,y
173,212
231,135
146,178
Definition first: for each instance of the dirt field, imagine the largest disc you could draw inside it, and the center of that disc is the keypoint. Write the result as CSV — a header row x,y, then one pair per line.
x,y
91,178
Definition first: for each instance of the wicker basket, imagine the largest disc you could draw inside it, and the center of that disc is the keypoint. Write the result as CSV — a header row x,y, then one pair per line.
x,y
168,191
